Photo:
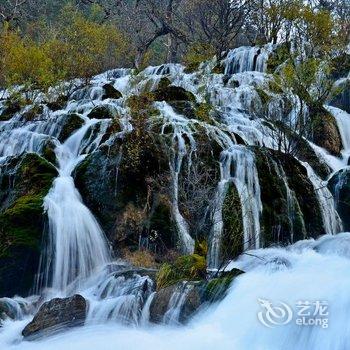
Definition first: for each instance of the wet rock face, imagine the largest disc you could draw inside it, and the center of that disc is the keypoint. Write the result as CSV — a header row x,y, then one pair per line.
x,y
111,92
325,132
278,222
72,124
101,112
55,315
161,302
342,100
24,182
339,185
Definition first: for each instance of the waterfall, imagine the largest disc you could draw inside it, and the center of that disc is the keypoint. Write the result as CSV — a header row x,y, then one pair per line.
x,y
343,121
331,221
237,165
247,58
77,246
176,302
181,133
292,202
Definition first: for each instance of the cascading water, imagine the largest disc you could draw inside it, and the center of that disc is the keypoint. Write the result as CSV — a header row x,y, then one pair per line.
x,y
238,166
77,258
331,221
77,246
245,59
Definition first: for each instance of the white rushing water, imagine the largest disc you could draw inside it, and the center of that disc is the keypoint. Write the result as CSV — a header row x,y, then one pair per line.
x,y
276,275
77,246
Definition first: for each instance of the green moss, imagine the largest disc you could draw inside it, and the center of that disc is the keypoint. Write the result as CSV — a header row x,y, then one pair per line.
x,y
186,268
232,239
21,220
164,83
203,111
218,69
217,288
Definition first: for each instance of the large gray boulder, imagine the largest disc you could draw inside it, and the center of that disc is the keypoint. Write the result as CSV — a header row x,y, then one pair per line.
x,y
55,315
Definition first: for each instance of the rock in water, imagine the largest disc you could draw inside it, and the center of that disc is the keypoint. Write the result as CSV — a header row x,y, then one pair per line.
x,y
56,315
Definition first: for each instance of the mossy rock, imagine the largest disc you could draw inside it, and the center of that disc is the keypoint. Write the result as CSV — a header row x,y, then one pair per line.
x,y
101,112
302,150
232,237
21,220
161,300
325,131
161,221
279,225
173,93
48,152
59,104
216,289
111,92
12,107
218,69
33,112
186,268
203,113
73,122
185,108
341,99
164,83
339,185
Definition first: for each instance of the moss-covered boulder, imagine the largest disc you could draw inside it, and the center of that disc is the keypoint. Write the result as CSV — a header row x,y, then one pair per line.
x,y
301,149
73,122
58,104
33,112
172,93
216,288
232,234
341,99
11,108
339,185
111,92
291,210
24,182
185,268
325,131
101,112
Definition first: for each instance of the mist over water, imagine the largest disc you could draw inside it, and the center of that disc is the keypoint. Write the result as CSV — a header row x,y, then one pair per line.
x,y
307,271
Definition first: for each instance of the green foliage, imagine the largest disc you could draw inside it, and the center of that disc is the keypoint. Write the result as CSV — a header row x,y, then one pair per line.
x,y
196,54
186,268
